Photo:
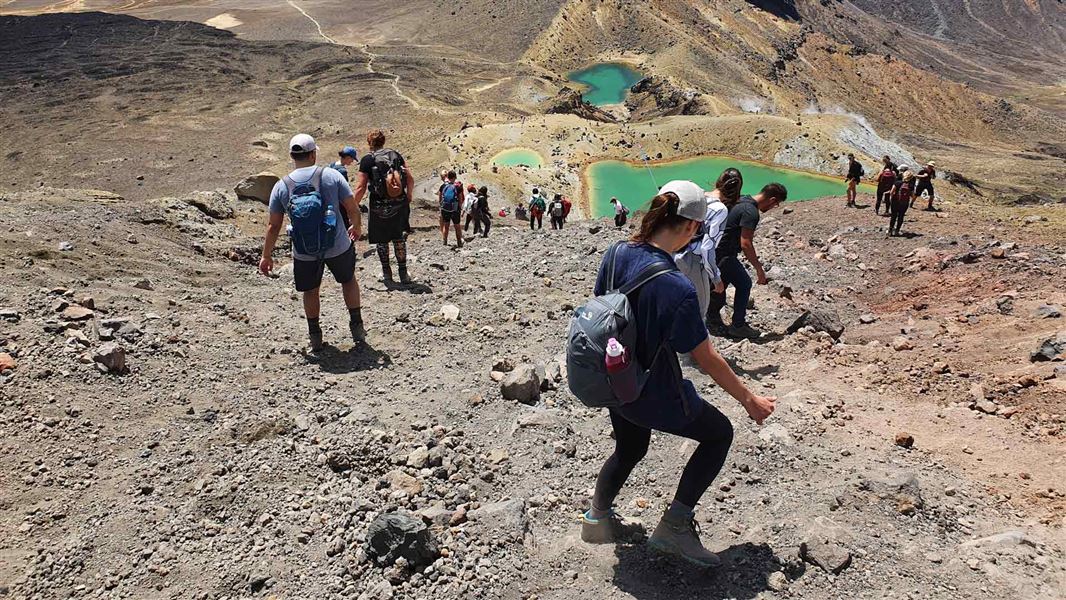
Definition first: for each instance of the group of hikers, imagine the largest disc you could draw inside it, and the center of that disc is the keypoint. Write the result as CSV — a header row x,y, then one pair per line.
x,y
673,271
897,188
558,210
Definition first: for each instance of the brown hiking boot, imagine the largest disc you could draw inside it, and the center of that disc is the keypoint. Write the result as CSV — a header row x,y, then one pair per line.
x,y
680,536
610,529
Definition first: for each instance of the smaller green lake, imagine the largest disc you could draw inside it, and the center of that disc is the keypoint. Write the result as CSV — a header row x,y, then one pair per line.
x,y
606,83
635,184
518,157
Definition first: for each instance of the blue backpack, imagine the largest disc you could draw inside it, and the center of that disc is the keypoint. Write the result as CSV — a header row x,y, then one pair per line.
x,y
313,224
449,197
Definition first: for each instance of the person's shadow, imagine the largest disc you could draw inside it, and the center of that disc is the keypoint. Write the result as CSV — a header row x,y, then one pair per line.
x,y
647,575
757,373
361,357
414,287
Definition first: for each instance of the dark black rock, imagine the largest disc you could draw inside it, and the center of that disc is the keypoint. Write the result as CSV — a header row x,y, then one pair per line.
x,y
819,320
397,534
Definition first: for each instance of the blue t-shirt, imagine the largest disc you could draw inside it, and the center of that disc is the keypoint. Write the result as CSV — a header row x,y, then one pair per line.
x,y
334,189
667,311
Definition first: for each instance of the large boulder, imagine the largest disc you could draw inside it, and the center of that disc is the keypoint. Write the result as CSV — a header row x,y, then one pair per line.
x,y
111,358
213,204
819,320
257,187
396,535
1050,349
523,384
569,101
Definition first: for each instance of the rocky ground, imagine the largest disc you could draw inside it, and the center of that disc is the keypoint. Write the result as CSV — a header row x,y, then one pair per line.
x,y
165,436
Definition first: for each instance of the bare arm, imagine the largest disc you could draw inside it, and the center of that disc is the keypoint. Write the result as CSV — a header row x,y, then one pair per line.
x,y
355,217
712,363
360,187
266,263
747,244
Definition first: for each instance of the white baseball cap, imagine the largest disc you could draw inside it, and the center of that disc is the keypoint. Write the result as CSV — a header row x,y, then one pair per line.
x,y
301,142
693,205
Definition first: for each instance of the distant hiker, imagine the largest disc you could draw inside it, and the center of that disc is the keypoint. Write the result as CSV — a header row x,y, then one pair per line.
x,y
348,155
925,178
887,163
621,213
668,322
567,205
484,213
470,209
385,173
698,260
855,173
901,196
451,197
738,236
312,197
537,206
557,212
886,179
521,213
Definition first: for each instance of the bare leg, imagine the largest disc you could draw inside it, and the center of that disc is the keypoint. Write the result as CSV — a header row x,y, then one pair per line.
x,y
313,303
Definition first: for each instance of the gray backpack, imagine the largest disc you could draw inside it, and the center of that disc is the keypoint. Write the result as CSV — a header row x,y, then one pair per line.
x,y
602,318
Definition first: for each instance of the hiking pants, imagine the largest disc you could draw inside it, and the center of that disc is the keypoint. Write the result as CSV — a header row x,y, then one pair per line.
x,y
899,209
470,217
619,220
400,247
538,218
882,189
557,222
485,221
711,429
734,274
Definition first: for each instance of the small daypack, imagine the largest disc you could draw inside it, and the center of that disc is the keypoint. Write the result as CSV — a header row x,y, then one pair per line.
x,y
312,232
536,203
904,192
389,174
887,175
557,209
602,318
449,197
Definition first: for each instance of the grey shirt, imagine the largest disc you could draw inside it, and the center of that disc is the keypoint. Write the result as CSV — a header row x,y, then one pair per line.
x,y
334,189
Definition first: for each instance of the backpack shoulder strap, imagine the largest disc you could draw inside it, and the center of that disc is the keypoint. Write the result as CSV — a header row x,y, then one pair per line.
x,y
609,259
290,185
647,274
316,179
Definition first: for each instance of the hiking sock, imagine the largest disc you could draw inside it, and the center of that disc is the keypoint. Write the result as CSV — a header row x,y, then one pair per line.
x,y
355,316
400,248
313,327
596,514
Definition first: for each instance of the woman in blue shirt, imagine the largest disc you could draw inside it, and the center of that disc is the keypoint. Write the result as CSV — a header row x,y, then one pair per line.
x,y
668,313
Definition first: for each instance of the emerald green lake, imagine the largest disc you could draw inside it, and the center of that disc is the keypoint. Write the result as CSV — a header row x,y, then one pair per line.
x,y
518,157
635,186
607,83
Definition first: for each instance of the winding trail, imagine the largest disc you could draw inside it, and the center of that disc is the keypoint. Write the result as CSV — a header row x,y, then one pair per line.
x,y
313,20
395,78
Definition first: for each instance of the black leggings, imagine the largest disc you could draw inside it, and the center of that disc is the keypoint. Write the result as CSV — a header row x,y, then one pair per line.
x,y
899,210
557,222
400,246
711,429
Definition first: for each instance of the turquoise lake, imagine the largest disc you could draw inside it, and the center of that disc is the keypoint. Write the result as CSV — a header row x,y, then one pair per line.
x,y
605,83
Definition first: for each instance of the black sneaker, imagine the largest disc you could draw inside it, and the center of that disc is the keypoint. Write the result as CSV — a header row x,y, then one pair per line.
x,y
358,332
315,342
716,328
744,332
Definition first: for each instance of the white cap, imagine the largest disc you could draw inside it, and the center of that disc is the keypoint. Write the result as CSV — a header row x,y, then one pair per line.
x,y
301,142
693,204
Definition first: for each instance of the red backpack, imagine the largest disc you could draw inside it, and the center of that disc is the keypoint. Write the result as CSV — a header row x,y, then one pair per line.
x,y
904,193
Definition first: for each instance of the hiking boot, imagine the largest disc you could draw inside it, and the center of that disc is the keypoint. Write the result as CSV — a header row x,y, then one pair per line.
x,y
745,331
314,341
358,332
680,536
386,272
404,277
610,529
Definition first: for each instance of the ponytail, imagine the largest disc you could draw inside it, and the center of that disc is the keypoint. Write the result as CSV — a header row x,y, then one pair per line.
x,y
729,185
661,214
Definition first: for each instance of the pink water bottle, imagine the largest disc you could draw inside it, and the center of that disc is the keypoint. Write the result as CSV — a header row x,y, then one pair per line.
x,y
621,373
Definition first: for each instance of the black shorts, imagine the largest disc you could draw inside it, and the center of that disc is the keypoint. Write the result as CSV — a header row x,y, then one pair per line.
x,y
450,215
923,186
308,273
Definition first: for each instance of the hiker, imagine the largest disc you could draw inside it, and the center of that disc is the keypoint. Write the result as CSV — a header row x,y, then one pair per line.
x,y
470,209
738,236
347,156
855,173
698,260
484,213
886,179
521,213
621,213
451,198
312,197
901,196
567,205
925,178
556,211
384,173
668,322
536,210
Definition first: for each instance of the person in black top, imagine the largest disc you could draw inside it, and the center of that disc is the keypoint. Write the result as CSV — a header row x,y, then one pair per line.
x,y
484,215
389,217
740,225
855,173
925,177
